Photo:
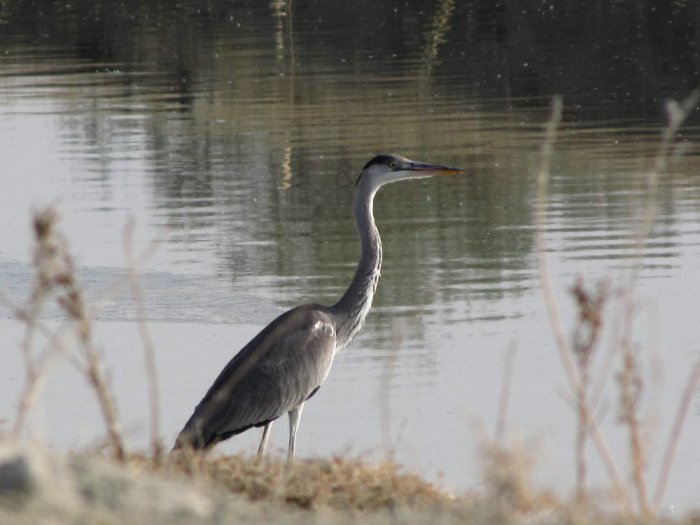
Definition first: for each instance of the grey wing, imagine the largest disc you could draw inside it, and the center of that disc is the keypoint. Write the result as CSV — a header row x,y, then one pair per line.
x,y
279,369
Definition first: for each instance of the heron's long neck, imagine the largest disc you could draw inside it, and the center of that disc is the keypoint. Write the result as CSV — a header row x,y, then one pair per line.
x,y
353,307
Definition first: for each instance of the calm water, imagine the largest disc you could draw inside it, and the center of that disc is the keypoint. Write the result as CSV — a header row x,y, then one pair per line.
x,y
235,133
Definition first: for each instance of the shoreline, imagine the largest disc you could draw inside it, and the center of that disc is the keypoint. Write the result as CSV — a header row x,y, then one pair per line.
x,y
38,486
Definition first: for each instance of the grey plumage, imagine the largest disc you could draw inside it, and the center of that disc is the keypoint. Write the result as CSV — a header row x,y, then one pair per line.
x,y
286,363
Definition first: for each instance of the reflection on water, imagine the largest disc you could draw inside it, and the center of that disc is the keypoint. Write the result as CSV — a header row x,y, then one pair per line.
x,y
237,131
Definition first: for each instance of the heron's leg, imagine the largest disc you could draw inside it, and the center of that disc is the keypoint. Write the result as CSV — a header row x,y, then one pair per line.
x,y
265,436
294,417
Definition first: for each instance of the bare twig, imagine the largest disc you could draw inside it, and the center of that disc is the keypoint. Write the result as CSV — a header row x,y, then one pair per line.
x,y
35,380
585,341
53,271
51,264
504,398
55,274
672,442
99,382
677,114
630,379
58,341
563,347
540,223
146,340
631,387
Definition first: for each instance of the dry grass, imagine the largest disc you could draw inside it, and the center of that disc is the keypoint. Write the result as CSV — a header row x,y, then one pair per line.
x,y
508,480
576,355
337,483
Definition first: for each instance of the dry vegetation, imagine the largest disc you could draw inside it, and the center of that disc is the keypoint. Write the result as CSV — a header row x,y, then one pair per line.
x,y
577,354
352,486
338,483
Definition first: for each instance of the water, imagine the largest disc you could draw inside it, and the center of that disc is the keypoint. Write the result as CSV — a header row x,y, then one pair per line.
x,y
234,135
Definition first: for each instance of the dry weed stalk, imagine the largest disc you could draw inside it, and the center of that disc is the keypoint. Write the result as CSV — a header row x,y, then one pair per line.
x,y
540,226
585,341
52,265
132,268
504,397
630,378
631,388
54,274
36,367
672,443
562,343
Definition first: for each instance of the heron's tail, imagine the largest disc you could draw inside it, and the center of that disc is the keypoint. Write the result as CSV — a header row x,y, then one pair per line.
x,y
193,438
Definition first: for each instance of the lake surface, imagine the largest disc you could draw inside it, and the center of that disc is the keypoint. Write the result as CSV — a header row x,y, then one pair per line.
x,y
233,133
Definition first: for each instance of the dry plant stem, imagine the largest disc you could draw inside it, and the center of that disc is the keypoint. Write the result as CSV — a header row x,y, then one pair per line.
x,y
672,443
30,318
35,381
42,287
51,264
57,339
504,398
146,340
677,114
630,390
74,305
55,271
551,302
582,432
565,351
540,218
38,366
585,342
630,378
104,396
631,386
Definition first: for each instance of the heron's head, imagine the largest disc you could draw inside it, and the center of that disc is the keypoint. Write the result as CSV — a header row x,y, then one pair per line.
x,y
384,169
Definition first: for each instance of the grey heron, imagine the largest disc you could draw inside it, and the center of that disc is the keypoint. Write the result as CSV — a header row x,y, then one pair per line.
x,y
286,363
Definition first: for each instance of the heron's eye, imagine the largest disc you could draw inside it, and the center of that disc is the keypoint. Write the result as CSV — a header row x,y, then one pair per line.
x,y
393,165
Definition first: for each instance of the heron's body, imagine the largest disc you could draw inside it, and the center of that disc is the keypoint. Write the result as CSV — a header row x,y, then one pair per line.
x,y
286,363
